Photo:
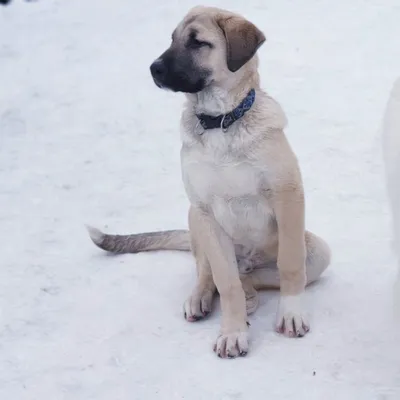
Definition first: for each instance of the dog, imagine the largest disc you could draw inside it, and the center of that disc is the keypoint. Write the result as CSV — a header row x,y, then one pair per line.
x,y
391,157
247,208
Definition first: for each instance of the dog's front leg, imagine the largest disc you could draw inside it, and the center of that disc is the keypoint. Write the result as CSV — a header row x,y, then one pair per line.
x,y
289,212
220,252
199,303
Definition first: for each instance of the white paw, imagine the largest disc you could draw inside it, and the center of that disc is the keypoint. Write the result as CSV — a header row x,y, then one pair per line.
x,y
198,305
291,320
232,345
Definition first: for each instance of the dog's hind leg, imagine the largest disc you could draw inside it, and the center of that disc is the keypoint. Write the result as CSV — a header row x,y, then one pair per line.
x,y
251,294
317,260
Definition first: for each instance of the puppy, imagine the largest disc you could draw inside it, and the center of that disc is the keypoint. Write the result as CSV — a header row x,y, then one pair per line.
x,y
246,216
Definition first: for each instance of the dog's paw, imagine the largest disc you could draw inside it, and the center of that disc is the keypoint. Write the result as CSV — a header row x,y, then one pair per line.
x,y
231,345
198,305
291,320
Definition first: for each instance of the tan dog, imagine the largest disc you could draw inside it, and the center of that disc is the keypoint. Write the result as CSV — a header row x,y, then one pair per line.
x,y
246,219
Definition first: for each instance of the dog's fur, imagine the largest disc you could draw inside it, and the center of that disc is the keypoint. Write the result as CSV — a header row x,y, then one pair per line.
x,y
246,219
391,156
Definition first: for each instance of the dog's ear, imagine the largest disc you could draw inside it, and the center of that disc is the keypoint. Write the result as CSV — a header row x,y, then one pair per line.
x,y
243,39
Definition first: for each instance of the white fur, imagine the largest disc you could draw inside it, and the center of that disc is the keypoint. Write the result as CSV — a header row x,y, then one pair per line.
x,y
391,153
95,234
230,188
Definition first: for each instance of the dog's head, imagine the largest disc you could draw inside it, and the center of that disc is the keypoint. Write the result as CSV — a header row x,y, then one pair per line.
x,y
208,45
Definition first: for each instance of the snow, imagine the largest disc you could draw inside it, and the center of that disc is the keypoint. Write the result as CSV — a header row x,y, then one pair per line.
x,y
86,137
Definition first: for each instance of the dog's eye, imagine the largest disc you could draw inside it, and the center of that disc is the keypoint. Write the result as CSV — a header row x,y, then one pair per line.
x,y
194,43
197,43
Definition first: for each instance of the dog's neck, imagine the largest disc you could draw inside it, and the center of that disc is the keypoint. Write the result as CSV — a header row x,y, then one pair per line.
x,y
222,99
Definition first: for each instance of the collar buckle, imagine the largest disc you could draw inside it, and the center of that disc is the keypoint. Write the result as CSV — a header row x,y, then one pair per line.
x,y
224,128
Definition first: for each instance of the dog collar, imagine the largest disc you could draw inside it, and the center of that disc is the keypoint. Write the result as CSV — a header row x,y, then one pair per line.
x,y
224,121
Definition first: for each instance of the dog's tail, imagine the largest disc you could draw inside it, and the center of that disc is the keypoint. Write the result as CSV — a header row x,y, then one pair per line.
x,y
391,155
138,242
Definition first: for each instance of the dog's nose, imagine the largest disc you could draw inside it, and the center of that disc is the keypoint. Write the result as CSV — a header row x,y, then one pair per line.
x,y
158,69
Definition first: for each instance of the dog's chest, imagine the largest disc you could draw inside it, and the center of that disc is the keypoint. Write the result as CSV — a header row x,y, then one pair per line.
x,y
231,188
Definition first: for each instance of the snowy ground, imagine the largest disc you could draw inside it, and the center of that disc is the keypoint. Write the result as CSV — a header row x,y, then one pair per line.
x,y
86,137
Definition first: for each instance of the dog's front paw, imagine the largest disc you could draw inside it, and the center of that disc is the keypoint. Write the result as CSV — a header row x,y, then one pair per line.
x,y
233,344
291,320
198,305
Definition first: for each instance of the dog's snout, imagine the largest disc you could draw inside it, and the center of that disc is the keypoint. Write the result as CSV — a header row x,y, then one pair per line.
x,y
158,69
175,70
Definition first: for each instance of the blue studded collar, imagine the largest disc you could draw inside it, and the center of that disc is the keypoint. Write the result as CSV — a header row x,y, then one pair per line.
x,y
224,121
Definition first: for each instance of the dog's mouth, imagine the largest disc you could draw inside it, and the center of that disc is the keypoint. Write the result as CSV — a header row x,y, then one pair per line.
x,y
180,86
162,86
158,84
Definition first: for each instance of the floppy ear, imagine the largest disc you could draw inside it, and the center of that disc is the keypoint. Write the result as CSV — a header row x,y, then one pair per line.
x,y
242,40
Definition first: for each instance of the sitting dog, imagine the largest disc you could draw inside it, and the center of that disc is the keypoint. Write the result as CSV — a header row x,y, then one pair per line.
x,y
247,213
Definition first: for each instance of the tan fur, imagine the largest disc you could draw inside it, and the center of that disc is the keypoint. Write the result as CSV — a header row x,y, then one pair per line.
x,y
246,219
